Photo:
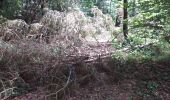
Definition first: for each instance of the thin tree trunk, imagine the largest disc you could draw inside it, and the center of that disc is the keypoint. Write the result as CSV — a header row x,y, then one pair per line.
x,y
134,8
1,3
125,18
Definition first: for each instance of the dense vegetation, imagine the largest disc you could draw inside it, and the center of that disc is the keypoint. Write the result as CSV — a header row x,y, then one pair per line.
x,y
58,48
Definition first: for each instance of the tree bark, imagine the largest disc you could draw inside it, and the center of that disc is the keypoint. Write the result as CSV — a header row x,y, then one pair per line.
x,y
125,18
1,3
134,8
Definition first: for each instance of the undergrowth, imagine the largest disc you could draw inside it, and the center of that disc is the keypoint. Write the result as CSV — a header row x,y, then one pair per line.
x,y
147,63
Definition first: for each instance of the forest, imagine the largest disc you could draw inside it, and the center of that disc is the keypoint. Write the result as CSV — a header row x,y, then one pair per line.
x,y
84,49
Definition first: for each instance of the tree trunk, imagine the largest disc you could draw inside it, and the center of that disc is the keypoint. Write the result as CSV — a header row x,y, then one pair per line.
x,y
1,3
134,8
125,18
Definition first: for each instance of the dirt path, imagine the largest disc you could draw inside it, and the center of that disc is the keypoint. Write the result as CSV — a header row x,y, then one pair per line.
x,y
104,37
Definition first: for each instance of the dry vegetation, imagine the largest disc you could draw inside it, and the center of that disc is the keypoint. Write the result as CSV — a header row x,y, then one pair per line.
x,y
52,54
55,59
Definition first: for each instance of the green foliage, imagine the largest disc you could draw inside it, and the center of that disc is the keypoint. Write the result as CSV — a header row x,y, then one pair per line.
x,y
2,20
150,13
149,30
59,5
107,6
152,86
159,51
88,4
147,89
11,8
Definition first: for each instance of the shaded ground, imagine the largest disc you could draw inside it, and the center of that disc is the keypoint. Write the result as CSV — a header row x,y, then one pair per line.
x,y
124,90
95,78
93,75
143,82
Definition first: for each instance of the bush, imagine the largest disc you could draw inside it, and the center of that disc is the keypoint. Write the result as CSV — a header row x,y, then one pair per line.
x,y
11,8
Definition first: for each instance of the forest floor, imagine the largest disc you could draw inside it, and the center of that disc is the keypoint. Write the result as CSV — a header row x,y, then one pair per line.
x,y
130,83
97,80
111,83
126,89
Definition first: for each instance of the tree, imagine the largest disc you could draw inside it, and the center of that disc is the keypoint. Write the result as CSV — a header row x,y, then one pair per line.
x,y
132,8
10,8
1,3
125,18
32,10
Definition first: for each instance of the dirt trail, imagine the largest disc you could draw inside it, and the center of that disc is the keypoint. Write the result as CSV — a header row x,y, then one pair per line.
x,y
103,37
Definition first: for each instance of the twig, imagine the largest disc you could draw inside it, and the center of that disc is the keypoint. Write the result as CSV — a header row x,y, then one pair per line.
x,y
68,80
